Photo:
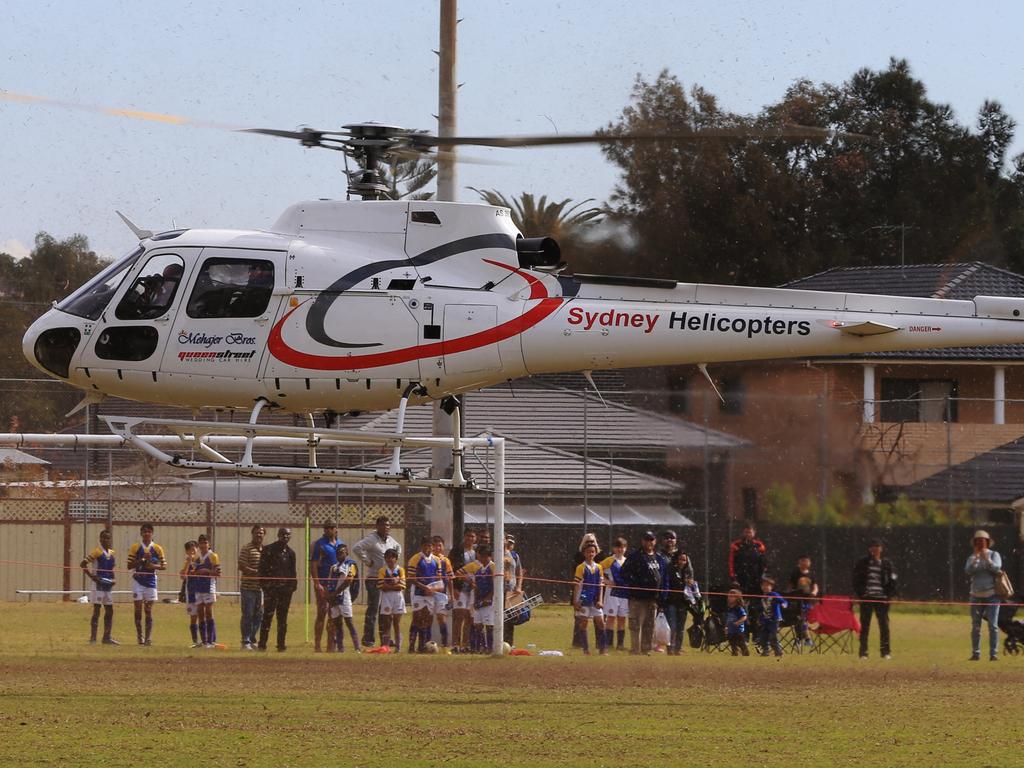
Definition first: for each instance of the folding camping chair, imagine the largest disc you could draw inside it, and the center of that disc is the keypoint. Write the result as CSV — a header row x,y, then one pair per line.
x,y
832,624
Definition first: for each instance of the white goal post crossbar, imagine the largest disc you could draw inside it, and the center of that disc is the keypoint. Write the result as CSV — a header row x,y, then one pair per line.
x,y
206,437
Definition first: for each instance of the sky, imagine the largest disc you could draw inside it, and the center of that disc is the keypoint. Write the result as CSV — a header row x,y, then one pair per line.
x,y
525,67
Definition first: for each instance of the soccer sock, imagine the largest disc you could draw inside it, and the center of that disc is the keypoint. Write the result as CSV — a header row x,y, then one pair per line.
x,y
149,626
602,640
474,639
584,640
211,630
108,621
353,633
489,643
620,639
608,636
194,631
94,622
202,631
425,634
598,637
339,637
138,624
444,635
413,633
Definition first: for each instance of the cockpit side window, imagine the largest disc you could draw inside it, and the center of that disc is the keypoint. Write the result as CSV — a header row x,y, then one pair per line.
x,y
154,289
91,299
232,288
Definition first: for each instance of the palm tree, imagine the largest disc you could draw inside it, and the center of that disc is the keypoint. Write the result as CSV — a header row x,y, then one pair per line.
x,y
536,216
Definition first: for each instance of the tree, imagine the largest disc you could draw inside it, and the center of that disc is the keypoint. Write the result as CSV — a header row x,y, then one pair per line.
x,y
407,178
768,210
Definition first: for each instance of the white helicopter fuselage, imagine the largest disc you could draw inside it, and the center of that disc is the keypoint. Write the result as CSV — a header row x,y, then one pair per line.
x,y
342,305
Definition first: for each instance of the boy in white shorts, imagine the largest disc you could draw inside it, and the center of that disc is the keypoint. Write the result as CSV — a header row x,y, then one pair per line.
x,y
207,569
616,597
443,600
483,601
102,557
145,557
339,589
586,598
391,583
462,607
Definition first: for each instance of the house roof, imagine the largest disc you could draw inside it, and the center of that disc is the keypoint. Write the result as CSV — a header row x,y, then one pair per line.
x,y
532,469
18,458
555,417
995,477
931,281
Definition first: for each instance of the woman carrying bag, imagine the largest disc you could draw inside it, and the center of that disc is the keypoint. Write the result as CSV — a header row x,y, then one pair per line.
x,y
983,567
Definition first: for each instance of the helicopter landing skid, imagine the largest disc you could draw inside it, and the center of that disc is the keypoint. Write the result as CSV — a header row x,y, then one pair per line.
x,y
200,437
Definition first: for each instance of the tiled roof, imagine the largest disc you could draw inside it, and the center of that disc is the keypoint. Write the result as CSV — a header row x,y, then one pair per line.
x,y
995,477
15,457
554,417
932,281
532,468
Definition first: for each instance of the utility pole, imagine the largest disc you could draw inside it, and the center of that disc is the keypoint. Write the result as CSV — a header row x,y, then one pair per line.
x,y
446,505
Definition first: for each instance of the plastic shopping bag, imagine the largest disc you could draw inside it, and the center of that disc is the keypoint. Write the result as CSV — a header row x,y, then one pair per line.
x,y
662,631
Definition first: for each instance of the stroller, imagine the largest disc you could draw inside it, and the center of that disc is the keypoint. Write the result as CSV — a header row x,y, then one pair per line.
x,y
1012,627
707,631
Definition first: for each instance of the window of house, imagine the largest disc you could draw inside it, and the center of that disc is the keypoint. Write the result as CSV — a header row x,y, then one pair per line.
x,y
922,400
733,394
232,288
154,289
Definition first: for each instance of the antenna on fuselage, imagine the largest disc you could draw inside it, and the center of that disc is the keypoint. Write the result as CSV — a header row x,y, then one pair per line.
x,y
140,233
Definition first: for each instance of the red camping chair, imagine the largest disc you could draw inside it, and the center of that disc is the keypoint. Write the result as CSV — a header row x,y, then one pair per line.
x,y
832,624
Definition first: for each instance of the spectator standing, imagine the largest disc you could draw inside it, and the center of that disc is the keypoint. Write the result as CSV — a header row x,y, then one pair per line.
x,y
249,586
643,571
369,552
670,548
514,575
279,581
677,598
772,604
322,557
983,565
874,582
462,609
748,563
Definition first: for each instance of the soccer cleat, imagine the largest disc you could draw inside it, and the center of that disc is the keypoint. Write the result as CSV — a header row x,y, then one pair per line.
x,y
148,641
110,641
887,657
196,645
975,657
92,641
993,658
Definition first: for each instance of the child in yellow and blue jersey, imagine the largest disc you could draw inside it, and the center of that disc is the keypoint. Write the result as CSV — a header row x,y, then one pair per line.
x,y
587,600
207,569
145,557
483,601
391,583
443,599
343,575
102,557
188,584
616,596
470,638
425,582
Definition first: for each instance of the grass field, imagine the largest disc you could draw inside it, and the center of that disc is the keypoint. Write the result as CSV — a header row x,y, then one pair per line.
x,y
63,702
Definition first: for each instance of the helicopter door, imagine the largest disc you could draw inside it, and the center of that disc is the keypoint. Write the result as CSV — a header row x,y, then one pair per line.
x,y
222,325
461,354
125,346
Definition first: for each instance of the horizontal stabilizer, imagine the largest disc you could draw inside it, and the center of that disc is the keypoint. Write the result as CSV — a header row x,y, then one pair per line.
x,y
867,328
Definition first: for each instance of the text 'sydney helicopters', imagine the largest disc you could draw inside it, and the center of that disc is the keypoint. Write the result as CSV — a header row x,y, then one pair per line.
x,y
370,304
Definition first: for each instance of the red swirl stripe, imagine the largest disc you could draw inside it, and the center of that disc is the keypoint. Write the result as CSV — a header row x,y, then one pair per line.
x,y
280,349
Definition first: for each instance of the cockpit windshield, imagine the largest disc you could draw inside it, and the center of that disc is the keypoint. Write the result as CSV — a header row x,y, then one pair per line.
x,y
91,299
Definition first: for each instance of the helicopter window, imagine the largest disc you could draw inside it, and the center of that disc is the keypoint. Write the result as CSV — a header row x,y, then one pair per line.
x,y
128,342
232,288
153,290
425,217
91,299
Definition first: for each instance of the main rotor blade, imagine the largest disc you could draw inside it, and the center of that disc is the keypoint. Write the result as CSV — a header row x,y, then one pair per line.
x,y
133,114
795,132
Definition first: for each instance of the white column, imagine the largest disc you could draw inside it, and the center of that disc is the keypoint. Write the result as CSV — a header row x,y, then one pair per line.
x,y
999,393
499,546
869,394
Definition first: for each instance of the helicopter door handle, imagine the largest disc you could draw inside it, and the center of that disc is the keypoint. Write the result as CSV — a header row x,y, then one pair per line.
x,y
263,320
164,319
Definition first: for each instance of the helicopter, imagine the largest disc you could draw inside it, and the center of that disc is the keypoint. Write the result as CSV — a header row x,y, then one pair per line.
x,y
372,304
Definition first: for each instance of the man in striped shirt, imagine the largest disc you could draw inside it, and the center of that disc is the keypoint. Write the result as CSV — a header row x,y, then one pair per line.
x,y
250,588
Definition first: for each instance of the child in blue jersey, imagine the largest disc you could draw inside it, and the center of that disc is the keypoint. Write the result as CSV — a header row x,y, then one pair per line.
x,y
425,583
586,599
483,601
146,558
207,569
339,586
736,623
188,588
772,604
102,557
391,583
616,597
